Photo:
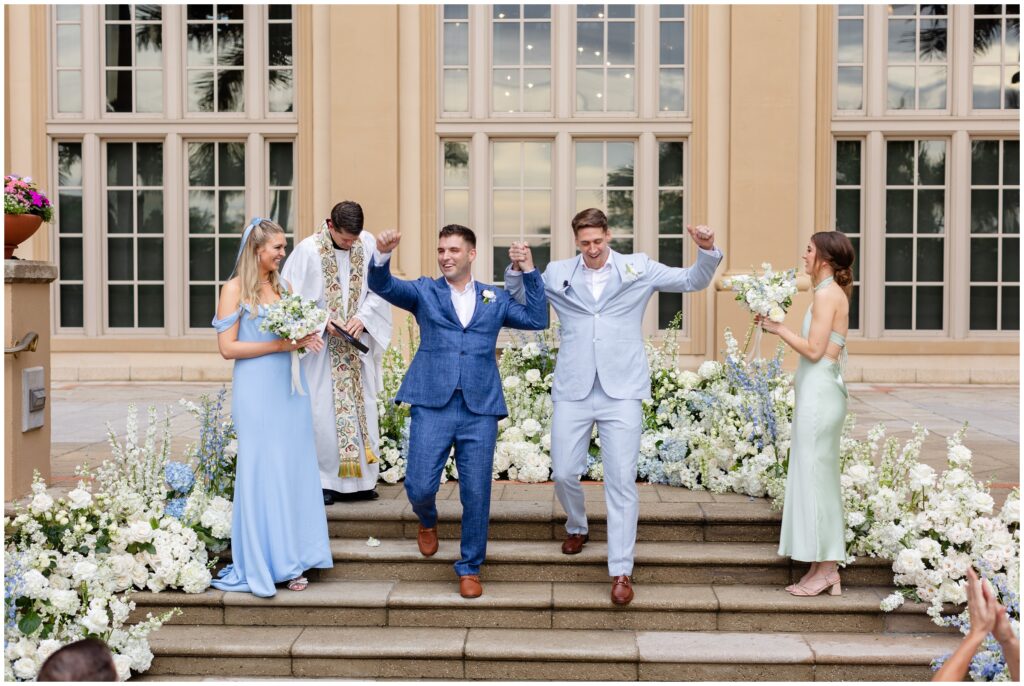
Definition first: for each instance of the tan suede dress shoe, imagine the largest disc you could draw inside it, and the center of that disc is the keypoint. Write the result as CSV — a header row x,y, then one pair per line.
x,y
426,539
470,587
622,590
573,544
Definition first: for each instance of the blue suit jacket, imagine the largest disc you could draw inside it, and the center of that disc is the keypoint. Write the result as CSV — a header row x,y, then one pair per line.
x,y
449,355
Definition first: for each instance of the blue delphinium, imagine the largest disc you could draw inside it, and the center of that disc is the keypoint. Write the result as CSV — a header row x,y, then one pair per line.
x,y
179,477
12,591
176,507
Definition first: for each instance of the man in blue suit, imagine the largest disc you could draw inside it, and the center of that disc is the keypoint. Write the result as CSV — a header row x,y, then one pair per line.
x,y
602,375
453,384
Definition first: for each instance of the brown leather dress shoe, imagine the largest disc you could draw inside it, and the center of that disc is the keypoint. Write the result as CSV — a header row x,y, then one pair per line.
x,y
426,539
469,586
573,544
622,590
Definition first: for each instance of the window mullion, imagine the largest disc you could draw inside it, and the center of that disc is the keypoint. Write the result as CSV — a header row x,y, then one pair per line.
x,y
174,60
562,53
876,79
873,256
958,226
255,62
562,245
647,42
175,234
961,42
255,177
92,70
93,265
479,61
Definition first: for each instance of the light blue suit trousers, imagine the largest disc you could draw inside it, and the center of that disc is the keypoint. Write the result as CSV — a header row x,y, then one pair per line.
x,y
602,376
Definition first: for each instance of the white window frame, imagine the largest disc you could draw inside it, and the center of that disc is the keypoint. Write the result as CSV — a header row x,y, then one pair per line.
x,y
103,68
1003,64
174,128
959,125
564,126
521,67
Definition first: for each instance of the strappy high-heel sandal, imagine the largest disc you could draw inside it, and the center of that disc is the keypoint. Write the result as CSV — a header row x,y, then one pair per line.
x,y
299,583
831,584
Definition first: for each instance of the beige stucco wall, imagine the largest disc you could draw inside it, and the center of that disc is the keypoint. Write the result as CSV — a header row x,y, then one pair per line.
x,y
26,308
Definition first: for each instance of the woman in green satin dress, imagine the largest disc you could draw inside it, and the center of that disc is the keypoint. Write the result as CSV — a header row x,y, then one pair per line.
x,y
813,527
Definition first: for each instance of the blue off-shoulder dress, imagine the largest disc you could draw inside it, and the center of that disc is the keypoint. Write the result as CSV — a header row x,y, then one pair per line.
x,y
278,526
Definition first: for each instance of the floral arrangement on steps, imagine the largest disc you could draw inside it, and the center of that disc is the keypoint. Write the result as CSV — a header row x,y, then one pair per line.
x,y
726,428
141,522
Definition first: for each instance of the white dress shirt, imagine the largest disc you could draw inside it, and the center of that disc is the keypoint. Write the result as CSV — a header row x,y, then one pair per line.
x,y
463,301
597,278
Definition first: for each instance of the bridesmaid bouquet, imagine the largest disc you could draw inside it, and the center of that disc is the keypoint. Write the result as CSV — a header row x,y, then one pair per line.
x,y
769,294
294,318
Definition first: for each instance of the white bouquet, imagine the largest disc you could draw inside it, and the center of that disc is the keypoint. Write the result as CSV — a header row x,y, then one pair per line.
x,y
769,294
293,317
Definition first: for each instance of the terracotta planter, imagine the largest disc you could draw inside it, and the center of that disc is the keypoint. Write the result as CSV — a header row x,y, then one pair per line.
x,y
18,228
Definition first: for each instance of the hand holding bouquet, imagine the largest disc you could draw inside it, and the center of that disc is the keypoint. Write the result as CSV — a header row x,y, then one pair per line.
x,y
294,318
769,294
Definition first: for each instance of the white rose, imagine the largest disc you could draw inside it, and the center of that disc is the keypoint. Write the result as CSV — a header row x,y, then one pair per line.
x,y
41,503
95,620
908,562
1011,510
955,477
532,375
79,498
982,502
140,532
860,474
531,427
958,533
84,571
47,648
776,314
512,382
530,351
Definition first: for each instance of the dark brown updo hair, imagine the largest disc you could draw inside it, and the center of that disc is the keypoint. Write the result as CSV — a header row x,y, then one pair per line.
x,y
835,250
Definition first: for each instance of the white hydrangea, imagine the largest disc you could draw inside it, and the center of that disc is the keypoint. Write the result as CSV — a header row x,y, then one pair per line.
x,y
531,427
709,369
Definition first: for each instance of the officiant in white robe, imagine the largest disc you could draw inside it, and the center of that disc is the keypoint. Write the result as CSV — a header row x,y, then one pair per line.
x,y
345,425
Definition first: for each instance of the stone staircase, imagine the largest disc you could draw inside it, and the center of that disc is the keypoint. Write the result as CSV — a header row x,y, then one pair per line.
x,y
709,605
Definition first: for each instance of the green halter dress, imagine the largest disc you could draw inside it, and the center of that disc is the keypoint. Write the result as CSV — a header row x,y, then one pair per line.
x,y
813,529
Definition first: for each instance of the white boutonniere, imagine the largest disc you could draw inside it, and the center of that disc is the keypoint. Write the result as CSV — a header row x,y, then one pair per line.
x,y
632,273
488,295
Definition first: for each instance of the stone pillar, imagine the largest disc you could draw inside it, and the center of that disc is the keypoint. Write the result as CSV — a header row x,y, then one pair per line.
x,y
26,309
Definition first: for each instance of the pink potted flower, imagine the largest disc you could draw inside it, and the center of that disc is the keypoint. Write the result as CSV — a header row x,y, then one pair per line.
x,y
25,208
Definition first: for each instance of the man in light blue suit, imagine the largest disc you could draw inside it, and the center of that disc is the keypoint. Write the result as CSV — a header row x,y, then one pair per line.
x,y
453,384
602,374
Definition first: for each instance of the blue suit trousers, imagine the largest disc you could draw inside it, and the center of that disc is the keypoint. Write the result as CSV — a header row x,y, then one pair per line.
x,y
431,435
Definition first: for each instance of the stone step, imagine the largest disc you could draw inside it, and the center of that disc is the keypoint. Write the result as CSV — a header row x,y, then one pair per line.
x,y
541,654
671,562
545,605
742,519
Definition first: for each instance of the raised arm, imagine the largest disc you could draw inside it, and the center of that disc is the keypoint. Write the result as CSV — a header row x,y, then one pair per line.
x,y
398,292
520,261
533,315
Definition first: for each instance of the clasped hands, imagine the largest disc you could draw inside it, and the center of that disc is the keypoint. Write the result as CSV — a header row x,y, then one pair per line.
x,y
521,257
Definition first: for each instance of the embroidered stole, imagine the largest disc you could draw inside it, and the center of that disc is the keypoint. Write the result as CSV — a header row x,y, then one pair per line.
x,y
346,369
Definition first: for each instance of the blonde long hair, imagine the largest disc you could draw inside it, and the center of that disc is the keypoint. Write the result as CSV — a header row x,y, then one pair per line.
x,y
248,266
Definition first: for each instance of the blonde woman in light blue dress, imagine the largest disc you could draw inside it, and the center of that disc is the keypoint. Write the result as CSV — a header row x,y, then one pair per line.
x,y
813,527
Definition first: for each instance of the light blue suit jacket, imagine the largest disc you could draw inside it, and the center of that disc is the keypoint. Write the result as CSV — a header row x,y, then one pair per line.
x,y
605,338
